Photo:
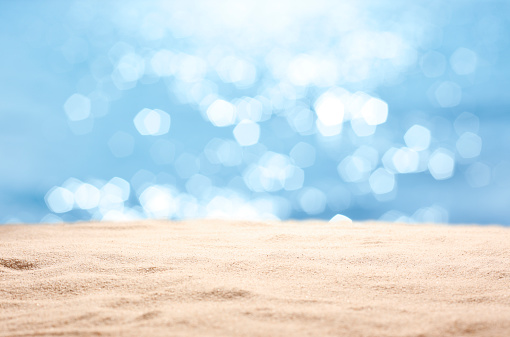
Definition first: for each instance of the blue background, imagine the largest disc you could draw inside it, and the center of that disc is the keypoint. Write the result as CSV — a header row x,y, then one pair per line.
x,y
441,65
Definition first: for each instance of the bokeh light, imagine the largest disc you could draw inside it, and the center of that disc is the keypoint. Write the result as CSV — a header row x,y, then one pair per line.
x,y
77,107
152,122
247,133
441,164
221,113
327,109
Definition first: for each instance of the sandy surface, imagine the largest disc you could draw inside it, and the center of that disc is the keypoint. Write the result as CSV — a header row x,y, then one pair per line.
x,y
216,278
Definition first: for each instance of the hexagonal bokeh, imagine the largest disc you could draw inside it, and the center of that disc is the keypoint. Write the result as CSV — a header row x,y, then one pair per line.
x,y
150,122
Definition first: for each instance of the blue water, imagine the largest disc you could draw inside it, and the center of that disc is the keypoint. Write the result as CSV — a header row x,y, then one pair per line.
x,y
258,109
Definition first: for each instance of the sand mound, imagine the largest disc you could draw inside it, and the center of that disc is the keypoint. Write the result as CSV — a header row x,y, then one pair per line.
x,y
219,278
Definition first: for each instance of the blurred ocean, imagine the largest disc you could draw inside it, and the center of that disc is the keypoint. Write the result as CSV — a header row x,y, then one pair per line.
x,y
392,110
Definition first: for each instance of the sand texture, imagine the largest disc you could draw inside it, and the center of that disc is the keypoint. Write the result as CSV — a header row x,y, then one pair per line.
x,y
221,278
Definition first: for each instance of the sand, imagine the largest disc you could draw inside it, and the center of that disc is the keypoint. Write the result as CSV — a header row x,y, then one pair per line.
x,y
221,278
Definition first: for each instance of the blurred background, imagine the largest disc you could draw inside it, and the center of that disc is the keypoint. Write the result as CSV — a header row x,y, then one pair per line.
x,y
256,109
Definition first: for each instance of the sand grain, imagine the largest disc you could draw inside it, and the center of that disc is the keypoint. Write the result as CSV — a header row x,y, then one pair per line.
x,y
221,278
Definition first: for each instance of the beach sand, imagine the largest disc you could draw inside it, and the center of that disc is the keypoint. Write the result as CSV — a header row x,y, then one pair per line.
x,y
238,278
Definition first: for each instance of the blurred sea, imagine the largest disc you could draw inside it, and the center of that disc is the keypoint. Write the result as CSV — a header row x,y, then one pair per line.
x,y
387,110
